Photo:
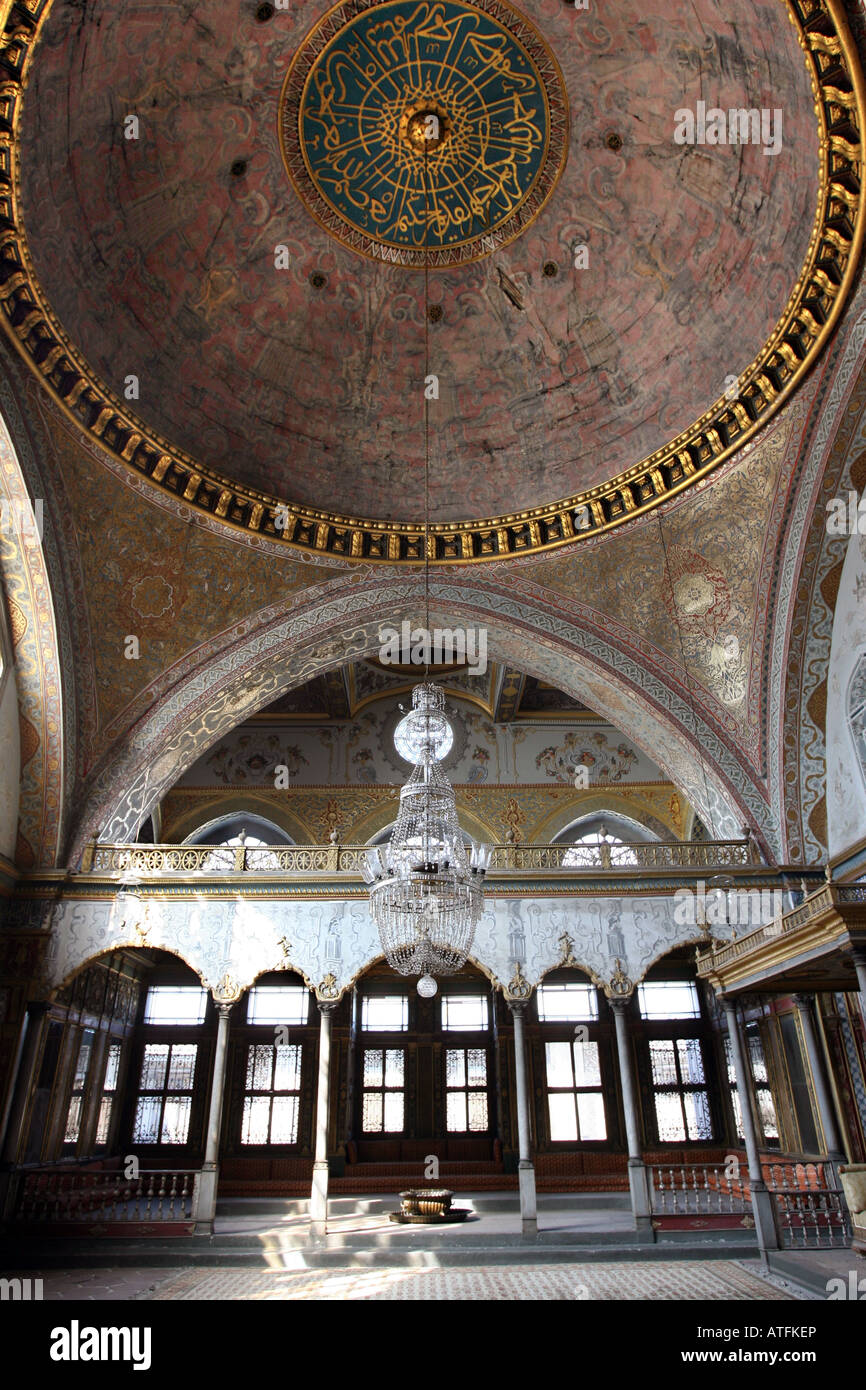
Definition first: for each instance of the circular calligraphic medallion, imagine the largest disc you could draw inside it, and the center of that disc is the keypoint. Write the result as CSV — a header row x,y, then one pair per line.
x,y
424,131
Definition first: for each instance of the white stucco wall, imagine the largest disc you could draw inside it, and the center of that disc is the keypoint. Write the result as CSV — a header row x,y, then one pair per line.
x,y
238,939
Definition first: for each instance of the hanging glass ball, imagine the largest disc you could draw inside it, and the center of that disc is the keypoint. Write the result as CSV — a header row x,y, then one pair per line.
x,y
424,735
427,987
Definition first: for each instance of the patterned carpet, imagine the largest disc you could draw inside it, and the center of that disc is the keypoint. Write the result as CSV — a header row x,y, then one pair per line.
x,y
645,1281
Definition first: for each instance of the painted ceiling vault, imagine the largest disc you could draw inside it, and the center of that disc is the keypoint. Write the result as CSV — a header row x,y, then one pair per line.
x,y
201,236
656,433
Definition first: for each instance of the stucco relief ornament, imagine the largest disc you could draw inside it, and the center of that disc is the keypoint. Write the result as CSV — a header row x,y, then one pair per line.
x,y
285,946
328,987
141,929
134,914
518,986
228,991
619,985
514,818
566,948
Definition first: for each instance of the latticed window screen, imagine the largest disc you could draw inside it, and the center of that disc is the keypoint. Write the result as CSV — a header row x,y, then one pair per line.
x,y
384,1090
575,1101
679,1086
761,1084
466,1107
732,1082
162,1113
271,1094
109,1091
79,1087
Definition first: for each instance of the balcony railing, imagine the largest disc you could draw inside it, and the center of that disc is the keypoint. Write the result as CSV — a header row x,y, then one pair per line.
x,y
696,1189
830,895
328,859
811,1212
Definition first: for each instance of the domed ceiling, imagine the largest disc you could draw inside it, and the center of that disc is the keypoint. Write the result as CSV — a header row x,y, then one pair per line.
x,y
224,214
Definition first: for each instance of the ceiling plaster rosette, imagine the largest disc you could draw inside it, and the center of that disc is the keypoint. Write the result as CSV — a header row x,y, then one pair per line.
x,y
800,334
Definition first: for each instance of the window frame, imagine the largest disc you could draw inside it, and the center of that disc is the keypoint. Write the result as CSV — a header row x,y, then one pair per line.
x,y
84,1092
680,1088
644,1031
576,1090
669,1018
272,1022
364,1090
752,1033
483,1029
140,1092
175,1022
377,1029
565,1020
114,1096
465,1047
272,1093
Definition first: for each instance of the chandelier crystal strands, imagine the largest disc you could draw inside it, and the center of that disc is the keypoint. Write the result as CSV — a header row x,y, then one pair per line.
x,y
426,891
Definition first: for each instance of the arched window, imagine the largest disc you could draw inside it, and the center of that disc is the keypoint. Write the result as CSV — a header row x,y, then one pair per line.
x,y
590,835
228,833
383,836
239,829
857,711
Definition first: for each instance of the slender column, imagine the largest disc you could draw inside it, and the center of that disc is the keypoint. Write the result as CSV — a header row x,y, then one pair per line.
x,y
319,1193
762,1201
820,1081
860,966
525,1166
351,1062
206,1210
637,1175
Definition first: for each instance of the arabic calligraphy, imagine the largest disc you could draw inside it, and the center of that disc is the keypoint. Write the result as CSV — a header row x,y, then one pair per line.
x,y
452,72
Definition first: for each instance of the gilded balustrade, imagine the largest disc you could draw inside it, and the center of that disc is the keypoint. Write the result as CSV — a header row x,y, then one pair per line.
x,y
293,860
827,897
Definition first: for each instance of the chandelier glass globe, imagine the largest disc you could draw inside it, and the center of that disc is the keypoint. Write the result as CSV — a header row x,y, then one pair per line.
x,y
426,890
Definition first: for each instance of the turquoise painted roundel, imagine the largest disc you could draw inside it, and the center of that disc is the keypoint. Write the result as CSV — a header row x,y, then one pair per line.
x,y
424,129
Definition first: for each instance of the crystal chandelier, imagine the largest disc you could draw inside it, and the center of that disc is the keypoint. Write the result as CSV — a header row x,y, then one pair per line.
x,y
426,891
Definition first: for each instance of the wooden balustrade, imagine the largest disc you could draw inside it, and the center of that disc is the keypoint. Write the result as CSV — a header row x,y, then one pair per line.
x,y
696,1189
60,1197
811,1212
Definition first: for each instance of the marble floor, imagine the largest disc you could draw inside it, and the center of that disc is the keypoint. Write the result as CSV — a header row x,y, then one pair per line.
x,y
646,1281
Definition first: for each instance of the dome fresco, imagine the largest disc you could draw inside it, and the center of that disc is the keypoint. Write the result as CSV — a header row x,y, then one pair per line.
x,y
620,284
